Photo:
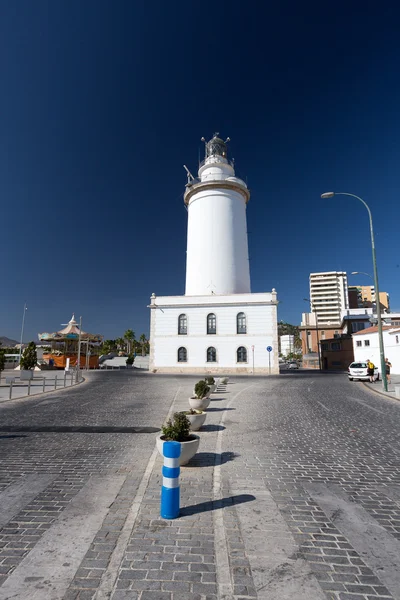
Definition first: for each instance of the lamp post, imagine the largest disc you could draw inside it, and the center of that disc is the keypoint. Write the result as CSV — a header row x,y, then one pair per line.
x,y
22,332
79,351
314,310
378,308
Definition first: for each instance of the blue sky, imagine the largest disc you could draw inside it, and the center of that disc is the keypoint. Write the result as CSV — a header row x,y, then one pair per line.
x,y
103,102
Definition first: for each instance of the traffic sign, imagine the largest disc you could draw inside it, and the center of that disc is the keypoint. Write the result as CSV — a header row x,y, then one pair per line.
x,y
269,348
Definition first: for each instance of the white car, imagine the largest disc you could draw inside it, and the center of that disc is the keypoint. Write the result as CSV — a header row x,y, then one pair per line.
x,y
293,365
359,370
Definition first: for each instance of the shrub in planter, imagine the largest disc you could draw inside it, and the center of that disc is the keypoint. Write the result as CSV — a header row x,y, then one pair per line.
x,y
130,360
201,389
196,418
178,430
28,361
210,381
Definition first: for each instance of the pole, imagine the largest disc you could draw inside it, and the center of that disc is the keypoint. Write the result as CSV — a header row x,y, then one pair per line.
x,y
269,363
317,331
378,304
22,332
78,362
252,348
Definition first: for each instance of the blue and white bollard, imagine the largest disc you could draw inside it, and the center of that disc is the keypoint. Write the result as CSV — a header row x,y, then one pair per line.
x,y
170,493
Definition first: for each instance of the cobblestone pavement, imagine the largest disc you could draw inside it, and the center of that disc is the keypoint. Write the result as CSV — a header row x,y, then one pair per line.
x,y
294,493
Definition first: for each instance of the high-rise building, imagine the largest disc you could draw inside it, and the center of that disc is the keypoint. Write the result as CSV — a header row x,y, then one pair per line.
x,y
328,296
218,326
363,296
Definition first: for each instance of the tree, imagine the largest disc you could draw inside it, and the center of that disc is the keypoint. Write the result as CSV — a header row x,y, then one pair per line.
x,y
143,342
108,346
120,343
129,336
29,357
2,358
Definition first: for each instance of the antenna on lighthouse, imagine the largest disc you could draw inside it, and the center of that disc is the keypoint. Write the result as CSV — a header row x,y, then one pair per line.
x,y
189,175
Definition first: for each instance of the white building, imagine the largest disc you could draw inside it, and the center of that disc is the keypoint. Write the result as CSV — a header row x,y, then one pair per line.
x,y
328,297
219,326
287,344
366,345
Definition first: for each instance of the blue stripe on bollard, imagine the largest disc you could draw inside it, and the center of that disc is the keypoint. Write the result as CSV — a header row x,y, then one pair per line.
x,y
168,472
170,492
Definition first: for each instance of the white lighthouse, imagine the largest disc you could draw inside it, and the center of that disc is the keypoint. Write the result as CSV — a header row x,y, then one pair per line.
x,y
218,326
217,251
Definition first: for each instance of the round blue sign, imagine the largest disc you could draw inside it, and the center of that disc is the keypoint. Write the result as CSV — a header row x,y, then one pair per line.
x,y
269,348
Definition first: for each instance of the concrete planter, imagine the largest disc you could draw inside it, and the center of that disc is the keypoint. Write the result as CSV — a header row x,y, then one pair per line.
x,y
25,374
212,386
199,403
188,449
196,420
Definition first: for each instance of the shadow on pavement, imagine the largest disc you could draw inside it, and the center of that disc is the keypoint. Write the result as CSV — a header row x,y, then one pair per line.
x,y
215,504
210,459
219,409
212,428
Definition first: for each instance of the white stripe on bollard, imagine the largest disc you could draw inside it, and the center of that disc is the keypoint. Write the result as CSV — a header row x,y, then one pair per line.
x,y
170,483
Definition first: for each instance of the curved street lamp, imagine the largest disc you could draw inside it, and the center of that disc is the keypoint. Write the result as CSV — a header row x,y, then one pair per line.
x,y
328,195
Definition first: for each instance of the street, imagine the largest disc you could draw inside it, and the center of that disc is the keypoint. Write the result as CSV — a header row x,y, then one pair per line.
x,y
294,493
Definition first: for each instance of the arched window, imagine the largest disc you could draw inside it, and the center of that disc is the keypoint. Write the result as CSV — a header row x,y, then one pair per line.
x,y
241,323
211,323
241,354
182,354
211,354
182,325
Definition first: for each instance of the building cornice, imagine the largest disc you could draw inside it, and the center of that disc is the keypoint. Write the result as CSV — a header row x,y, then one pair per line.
x,y
224,304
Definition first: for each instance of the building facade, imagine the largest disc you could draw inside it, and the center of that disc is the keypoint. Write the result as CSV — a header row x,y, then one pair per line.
x,y
218,326
287,344
366,345
328,296
363,296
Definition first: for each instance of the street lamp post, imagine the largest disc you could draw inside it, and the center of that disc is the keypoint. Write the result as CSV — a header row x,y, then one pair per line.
x,y
378,309
22,332
314,310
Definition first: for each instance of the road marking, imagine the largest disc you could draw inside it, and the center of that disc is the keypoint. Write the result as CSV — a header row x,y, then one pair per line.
x,y
367,405
18,494
225,587
323,406
378,548
109,578
46,572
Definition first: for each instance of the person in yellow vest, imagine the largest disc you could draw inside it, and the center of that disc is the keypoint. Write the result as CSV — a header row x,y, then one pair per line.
x,y
370,370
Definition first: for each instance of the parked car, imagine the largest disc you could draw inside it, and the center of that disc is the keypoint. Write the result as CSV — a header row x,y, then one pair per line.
x,y
292,365
359,370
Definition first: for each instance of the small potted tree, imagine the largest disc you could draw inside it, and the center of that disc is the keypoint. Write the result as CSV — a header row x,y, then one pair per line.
x,y
178,430
201,398
196,418
210,381
28,362
130,360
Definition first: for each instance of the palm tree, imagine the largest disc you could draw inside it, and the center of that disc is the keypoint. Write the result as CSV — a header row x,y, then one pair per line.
x,y
120,343
143,342
129,336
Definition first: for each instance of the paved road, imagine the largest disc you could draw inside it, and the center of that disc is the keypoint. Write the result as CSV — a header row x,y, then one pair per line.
x,y
295,493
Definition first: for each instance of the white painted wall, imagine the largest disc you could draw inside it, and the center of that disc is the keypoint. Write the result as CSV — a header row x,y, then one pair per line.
x,y
287,344
391,342
261,320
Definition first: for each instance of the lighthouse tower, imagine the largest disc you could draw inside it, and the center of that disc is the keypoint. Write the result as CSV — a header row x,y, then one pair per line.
x,y
217,259
218,326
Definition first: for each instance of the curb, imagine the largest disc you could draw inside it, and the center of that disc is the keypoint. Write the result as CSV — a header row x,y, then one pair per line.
x,y
383,394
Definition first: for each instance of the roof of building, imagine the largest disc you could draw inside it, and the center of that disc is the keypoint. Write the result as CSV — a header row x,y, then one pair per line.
x,y
373,329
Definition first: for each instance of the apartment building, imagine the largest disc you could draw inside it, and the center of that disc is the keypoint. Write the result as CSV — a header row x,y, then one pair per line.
x,y
363,296
328,297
